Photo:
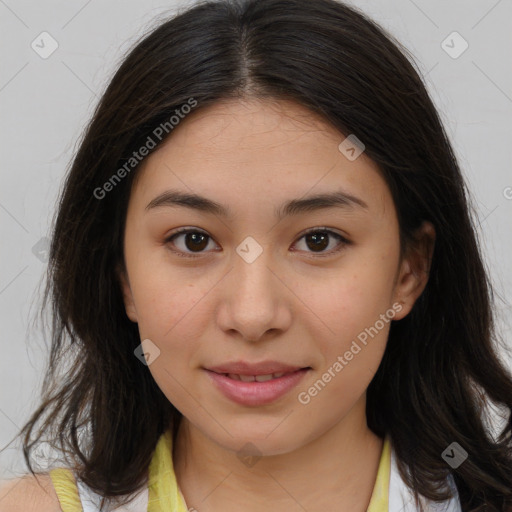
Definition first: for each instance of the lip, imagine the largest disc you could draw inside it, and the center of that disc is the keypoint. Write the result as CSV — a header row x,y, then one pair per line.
x,y
257,393
262,368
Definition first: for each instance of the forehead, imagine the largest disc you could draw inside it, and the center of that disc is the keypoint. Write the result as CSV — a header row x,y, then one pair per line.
x,y
259,149
246,126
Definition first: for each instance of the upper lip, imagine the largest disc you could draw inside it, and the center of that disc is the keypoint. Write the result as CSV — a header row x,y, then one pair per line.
x,y
262,368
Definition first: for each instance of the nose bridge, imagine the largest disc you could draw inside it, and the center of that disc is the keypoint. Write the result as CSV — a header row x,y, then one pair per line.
x,y
253,303
252,273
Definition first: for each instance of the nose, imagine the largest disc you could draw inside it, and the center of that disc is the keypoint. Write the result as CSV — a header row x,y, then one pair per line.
x,y
254,301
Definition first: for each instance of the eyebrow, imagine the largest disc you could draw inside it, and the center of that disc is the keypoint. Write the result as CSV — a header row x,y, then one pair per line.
x,y
337,199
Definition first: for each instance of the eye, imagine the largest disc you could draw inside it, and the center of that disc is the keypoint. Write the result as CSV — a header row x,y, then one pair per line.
x,y
319,239
196,241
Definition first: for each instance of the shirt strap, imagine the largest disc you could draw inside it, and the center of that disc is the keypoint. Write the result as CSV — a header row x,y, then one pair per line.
x,y
67,491
379,502
163,492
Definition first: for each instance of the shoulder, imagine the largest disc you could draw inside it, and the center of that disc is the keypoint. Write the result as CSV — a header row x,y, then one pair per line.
x,y
29,494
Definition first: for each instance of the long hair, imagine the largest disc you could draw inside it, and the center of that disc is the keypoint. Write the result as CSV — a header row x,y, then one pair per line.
x,y
440,370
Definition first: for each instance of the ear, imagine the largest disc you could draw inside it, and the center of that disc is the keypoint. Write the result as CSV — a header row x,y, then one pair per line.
x,y
126,290
414,269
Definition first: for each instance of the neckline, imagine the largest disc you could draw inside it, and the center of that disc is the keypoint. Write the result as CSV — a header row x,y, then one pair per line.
x,y
164,493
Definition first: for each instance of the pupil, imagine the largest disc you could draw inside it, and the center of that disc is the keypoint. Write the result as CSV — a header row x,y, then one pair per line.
x,y
195,237
318,243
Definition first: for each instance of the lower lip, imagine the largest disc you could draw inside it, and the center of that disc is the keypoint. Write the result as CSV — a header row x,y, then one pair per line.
x,y
256,393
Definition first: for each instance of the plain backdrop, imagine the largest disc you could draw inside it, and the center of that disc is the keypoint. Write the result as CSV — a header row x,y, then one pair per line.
x,y
46,102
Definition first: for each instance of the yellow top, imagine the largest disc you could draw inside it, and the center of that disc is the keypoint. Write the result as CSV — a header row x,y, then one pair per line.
x,y
164,494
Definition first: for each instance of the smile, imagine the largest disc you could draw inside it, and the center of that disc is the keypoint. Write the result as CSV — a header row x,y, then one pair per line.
x,y
256,390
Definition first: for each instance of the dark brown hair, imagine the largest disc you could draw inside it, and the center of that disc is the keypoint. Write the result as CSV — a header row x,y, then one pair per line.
x,y
440,371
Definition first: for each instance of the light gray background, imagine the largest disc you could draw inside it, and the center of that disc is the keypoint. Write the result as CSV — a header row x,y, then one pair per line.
x,y
45,104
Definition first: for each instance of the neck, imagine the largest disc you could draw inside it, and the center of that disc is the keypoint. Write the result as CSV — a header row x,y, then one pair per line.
x,y
338,467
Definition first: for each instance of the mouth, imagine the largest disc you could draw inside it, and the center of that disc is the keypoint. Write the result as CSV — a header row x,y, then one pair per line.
x,y
263,368
256,388
257,378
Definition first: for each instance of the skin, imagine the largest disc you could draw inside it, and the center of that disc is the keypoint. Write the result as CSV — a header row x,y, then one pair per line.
x,y
290,304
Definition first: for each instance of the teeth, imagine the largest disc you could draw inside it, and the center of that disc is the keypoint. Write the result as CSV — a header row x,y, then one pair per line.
x,y
247,378
263,378
252,378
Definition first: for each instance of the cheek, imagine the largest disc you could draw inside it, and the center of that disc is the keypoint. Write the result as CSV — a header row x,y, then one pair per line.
x,y
166,296
350,300
359,321
359,316
171,314
356,307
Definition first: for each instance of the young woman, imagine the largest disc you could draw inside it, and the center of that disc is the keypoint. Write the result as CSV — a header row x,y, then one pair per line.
x,y
266,286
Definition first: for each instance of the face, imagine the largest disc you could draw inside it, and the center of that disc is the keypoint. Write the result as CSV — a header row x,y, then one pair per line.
x,y
313,286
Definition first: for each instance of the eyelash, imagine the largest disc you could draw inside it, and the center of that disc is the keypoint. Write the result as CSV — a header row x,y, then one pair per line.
x,y
343,241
